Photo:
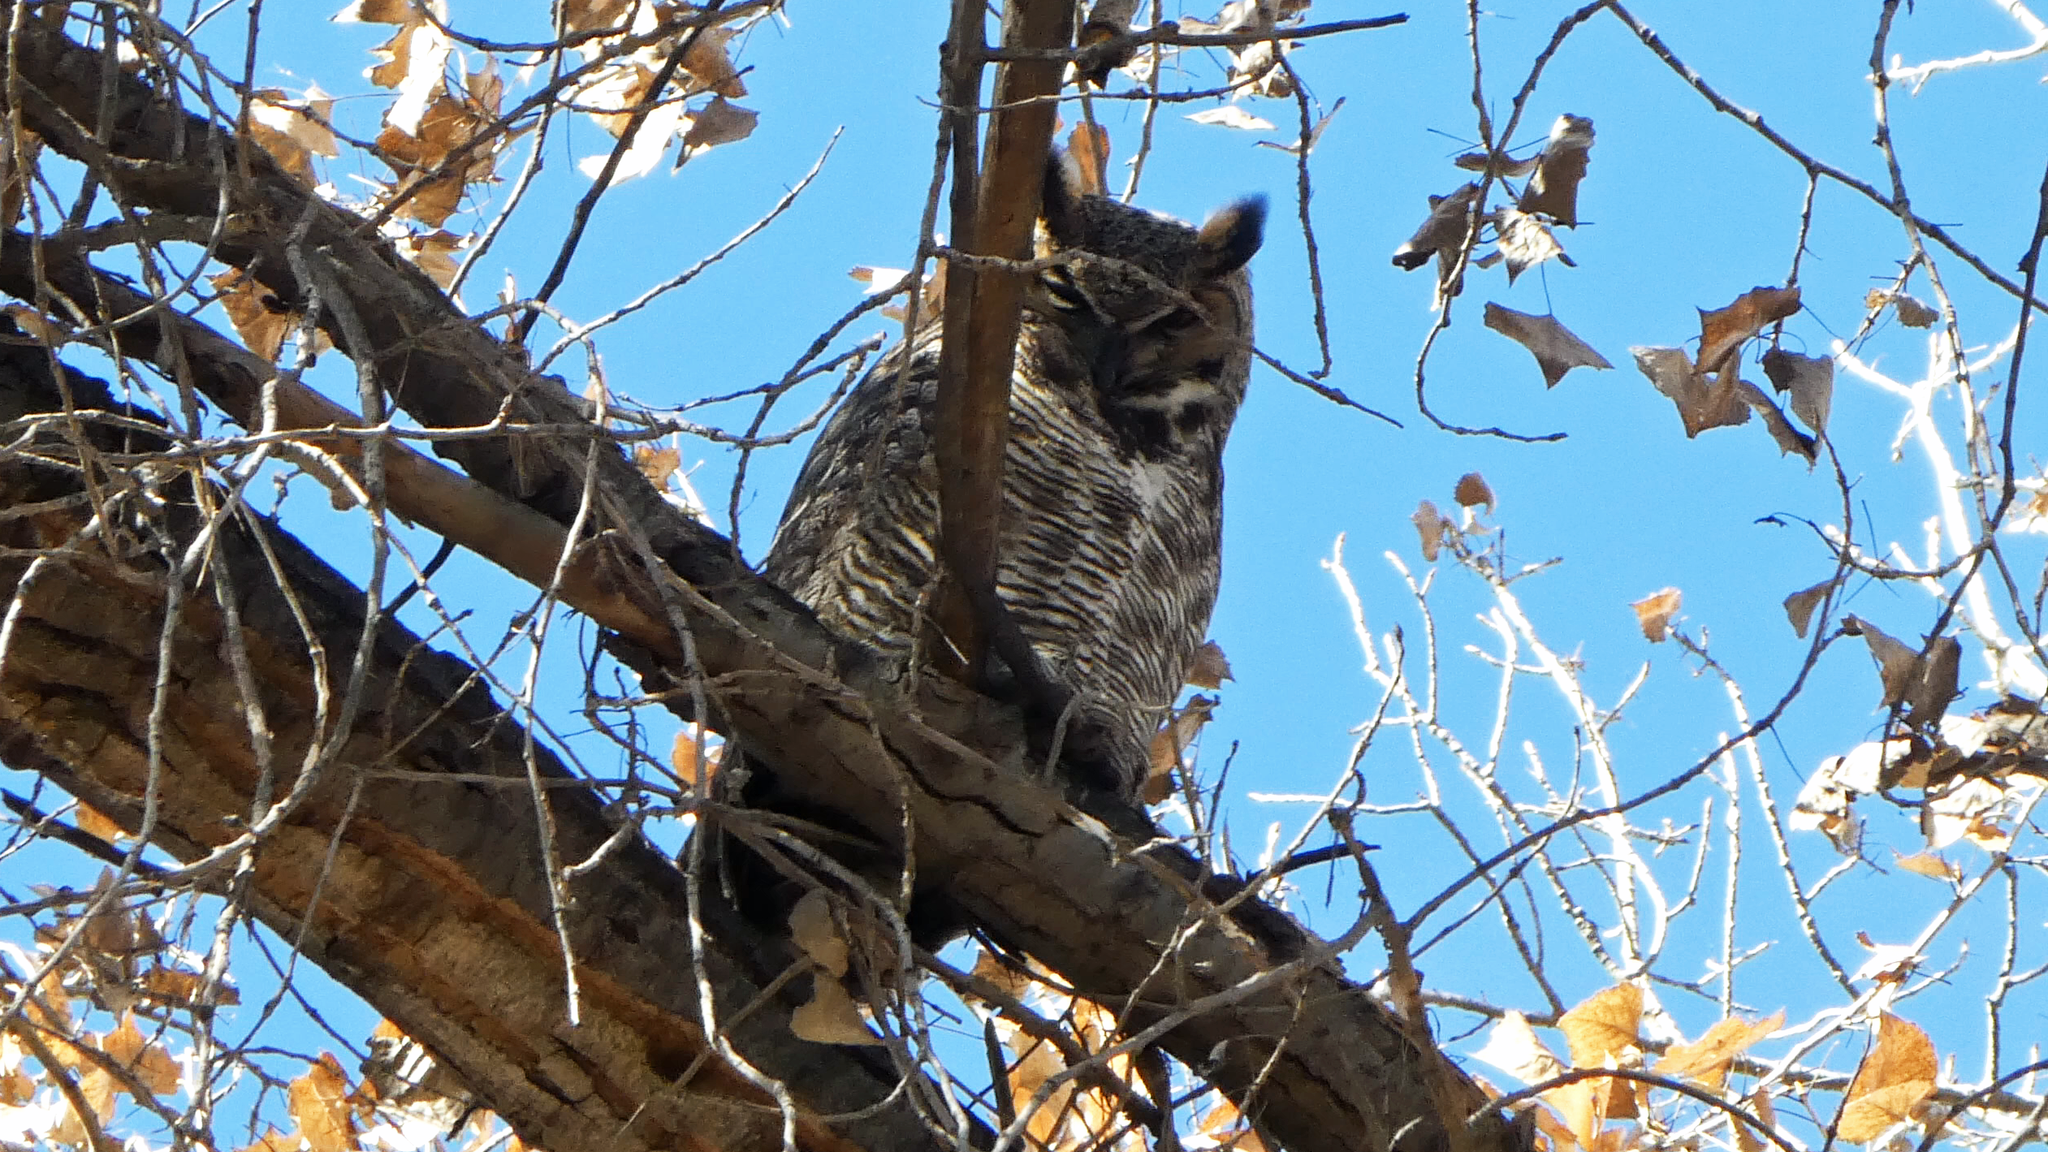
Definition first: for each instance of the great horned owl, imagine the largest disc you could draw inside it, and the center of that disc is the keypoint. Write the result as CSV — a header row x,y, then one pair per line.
x,y
1132,359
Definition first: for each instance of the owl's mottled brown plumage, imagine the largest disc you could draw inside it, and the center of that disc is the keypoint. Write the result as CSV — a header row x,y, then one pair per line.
x,y
1131,363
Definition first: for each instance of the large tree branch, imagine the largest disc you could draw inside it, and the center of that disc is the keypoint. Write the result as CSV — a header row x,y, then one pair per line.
x,y
436,906
1259,1012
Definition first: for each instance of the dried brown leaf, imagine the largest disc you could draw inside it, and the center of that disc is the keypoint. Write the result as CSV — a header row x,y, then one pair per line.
x,y
1895,1077
710,63
146,1061
684,759
830,1016
1789,439
318,1102
1430,525
1810,380
1088,145
1912,313
1514,1048
1724,330
1654,613
1603,1028
1472,492
1929,864
814,929
1556,348
259,318
1501,163
1554,191
1708,1059
1209,668
721,122
1443,231
1525,241
1799,606
1701,405
1170,745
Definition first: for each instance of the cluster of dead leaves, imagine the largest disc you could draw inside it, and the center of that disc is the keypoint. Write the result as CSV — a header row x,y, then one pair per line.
x,y
1471,494
1974,773
404,1099
1604,1033
1523,230
696,109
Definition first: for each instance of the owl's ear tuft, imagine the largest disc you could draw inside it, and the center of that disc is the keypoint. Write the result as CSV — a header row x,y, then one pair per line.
x,y
1229,237
1060,202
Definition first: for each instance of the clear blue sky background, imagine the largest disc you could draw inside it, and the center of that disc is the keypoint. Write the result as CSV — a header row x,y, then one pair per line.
x,y
1682,209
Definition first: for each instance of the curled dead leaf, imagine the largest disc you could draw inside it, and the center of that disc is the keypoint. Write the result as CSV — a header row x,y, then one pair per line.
x,y
1526,241
1701,405
1171,743
1430,524
1443,232
1790,440
1514,1048
1472,492
1708,1059
1724,330
812,927
1603,1029
1209,668
1654,613
1554,191
1810,380
1556,348
1800,605
830,1016
1897,1074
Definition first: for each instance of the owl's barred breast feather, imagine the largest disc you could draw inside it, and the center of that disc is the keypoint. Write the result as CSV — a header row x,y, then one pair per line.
x,y
1131,362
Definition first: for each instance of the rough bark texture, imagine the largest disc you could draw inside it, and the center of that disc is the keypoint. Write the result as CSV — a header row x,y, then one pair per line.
x,y
436,907
438,910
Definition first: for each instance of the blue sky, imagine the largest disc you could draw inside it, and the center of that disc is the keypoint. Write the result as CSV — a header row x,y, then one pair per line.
x,y
1682,209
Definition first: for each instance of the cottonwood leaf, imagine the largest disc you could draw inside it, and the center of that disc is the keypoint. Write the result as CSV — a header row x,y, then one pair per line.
x,y
1430,525
1525,241
258,317
318,1102
710,64
1654,613
1210,668
1501,163
1443,231
812,927
1708,1059
1088,146
1514,1048
151,1066
1604,1027
720,122
1170,745
1966,810
830,1017
1724,330
1556,348
1231,116
1472,492
1810,380
1912,313
293,131
1923,682
1928,864
1799,606
1758,1104
1701,405
1790,439
1895,1077
1554,191
688,766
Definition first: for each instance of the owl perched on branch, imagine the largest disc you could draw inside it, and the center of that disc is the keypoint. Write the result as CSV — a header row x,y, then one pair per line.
x,y
1131,362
